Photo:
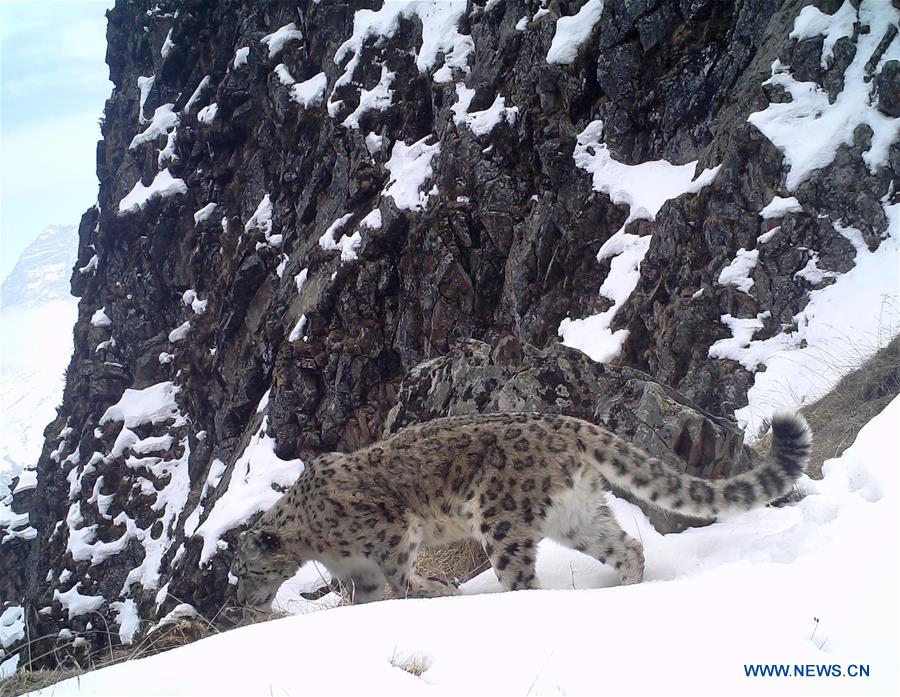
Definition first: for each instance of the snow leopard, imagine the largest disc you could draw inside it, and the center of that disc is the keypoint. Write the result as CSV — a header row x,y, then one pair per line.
x,y
506,479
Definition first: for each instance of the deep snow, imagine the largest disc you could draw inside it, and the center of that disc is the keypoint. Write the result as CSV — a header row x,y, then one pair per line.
x,y
813,582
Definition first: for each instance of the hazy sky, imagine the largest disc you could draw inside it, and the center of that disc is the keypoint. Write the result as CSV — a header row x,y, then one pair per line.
x,y
53,84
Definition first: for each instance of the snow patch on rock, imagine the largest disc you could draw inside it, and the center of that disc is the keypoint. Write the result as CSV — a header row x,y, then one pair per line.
x,y
812,22
240,57
75,603
152,405
809,128
737,272
128,619
205,213
277,40
376,99
481,122
100,318
251,488
163,185
167,46
297,332
644,188
163,122
261,218
778,207
410,168
440,35
145,84
572,32
347,244
300,279
180,332
208,113
198,92
310,93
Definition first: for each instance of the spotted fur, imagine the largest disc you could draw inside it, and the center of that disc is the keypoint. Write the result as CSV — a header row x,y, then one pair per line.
x,y
508,480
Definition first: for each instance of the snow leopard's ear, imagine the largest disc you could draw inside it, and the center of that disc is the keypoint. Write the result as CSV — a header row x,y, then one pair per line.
x,y
269,541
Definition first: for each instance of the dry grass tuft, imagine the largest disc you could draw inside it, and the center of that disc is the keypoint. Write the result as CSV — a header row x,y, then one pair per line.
x,y
454,563
236,616
23,681
173,635
858,397
166,637
413,663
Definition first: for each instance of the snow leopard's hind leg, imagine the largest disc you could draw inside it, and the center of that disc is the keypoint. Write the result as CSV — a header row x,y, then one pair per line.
x,y
581,520
509,534
511,547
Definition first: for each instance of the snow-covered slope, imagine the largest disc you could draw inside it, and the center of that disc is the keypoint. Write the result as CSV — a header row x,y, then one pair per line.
x,y
36,319
811,586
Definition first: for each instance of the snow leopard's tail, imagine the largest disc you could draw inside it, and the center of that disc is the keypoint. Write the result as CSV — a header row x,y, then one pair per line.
x,y
651,480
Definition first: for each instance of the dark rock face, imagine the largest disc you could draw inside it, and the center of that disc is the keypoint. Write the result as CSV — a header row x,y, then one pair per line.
x,y
888,85
306,346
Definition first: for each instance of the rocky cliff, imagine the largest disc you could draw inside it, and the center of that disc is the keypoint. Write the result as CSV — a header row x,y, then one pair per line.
x,y
302,202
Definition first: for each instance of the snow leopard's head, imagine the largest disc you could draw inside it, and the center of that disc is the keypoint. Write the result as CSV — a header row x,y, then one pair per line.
x,y
261,565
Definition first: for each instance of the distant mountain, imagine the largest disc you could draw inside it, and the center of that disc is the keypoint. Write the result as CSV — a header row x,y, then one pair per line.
x,y
36,314
42,272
